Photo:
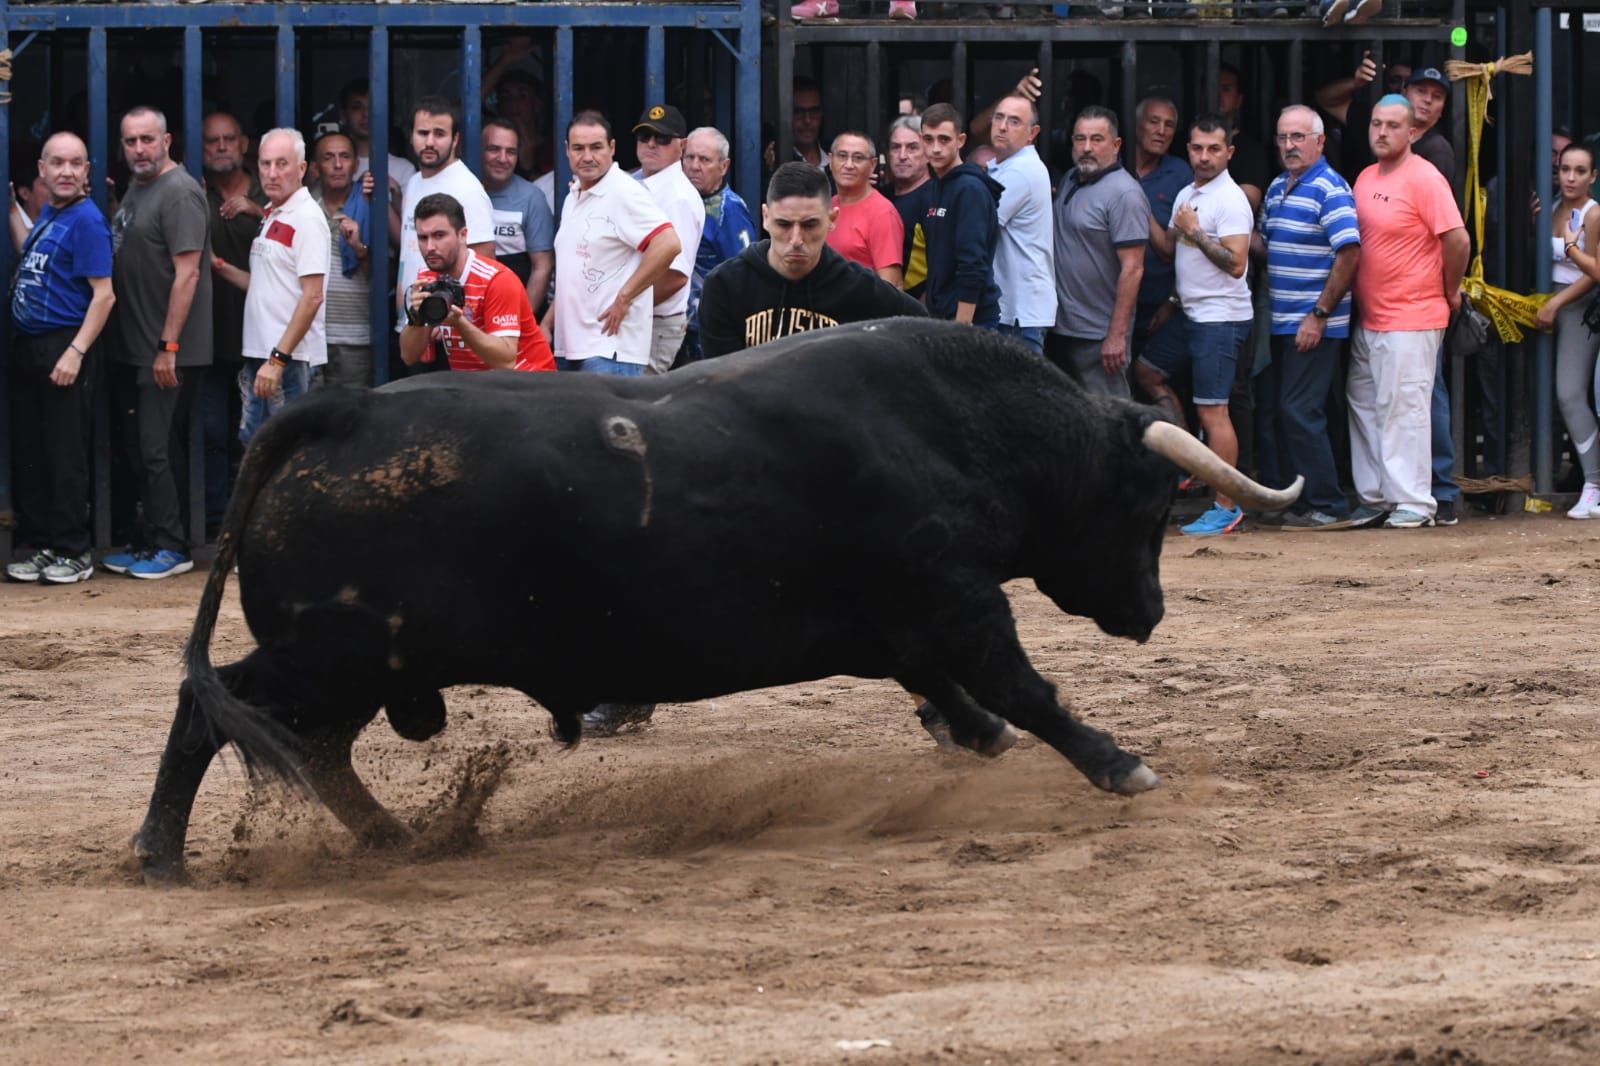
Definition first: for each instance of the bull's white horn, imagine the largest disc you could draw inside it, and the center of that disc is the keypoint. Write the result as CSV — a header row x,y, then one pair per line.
x,y
1193,457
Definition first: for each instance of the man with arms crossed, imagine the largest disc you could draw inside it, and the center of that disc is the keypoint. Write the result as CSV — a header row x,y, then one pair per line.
x,y
868,230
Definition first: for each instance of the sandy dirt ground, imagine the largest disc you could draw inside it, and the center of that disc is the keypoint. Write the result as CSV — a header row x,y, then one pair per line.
x,y
1376,843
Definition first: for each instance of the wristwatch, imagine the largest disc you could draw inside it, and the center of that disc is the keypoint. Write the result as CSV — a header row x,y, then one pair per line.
x,y
1316,309
1566,253
277,358
169,346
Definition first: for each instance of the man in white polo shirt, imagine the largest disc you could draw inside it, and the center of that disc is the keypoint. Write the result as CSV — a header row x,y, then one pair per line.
x,y
613,244
436,141
659,135
283,318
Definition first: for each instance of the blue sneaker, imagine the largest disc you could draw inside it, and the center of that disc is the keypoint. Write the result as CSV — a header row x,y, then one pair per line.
x,y
1214,522
121,562
161,564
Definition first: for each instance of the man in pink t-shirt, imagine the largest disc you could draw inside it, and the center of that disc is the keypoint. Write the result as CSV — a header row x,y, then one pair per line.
x,y
1414,251
869,230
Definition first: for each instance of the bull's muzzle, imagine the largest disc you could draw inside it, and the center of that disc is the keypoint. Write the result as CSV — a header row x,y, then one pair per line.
x,y
1193,457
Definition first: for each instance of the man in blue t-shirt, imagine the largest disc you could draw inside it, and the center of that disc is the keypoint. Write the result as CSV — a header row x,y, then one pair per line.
x,y
59,305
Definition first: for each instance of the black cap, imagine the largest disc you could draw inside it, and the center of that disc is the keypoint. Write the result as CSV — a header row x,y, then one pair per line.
x,y
1432,74
663,118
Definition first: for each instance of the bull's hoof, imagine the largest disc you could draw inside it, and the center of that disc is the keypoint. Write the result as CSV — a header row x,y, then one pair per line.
x,y
1140,779
609,719
1001,743
159,871
387,836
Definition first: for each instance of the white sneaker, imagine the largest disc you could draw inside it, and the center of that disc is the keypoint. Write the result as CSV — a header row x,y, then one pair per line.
x,y
1588,505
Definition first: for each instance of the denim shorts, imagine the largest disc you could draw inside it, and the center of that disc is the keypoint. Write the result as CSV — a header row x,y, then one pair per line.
x,y
601,364
1209,349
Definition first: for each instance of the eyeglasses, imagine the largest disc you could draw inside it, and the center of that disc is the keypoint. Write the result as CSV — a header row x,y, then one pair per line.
x,y
808,112
659,139
1293,138
853,157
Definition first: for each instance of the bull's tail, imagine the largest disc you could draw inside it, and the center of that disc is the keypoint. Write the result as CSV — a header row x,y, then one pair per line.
x,y
266,744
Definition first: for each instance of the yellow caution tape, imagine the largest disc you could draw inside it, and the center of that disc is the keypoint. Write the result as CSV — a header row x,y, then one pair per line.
x,y
1510,312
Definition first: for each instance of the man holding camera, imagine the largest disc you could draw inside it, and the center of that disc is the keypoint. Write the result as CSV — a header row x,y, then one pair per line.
x,y
471,308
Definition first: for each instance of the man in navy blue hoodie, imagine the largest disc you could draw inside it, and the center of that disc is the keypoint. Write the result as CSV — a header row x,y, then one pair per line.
x,y
962,227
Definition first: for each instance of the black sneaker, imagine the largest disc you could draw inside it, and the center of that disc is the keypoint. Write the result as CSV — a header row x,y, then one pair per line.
x,y
1445,513
609,719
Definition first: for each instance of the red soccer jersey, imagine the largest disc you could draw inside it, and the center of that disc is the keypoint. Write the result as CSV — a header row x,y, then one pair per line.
x,y
496,303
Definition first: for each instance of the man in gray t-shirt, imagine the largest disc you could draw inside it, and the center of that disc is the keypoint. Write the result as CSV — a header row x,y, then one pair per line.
x,y
162,277
1102,224
524,231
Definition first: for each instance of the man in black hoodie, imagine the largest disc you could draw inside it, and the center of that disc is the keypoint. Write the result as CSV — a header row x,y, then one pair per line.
x,y
962,227
793,281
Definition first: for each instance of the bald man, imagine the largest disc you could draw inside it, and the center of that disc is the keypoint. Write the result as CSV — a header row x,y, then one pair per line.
x,y
59,305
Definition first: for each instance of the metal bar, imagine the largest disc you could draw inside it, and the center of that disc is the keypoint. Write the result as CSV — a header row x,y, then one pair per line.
x,y
1458,136
1045,60
1130,91
1080,31
99,123
471,95
655,66
1544,355
563,110
5,322
193,105
99,161
1297,71
193,102
784,88
23,47
731,48
958,79
1211,76
284,93
133,16
874,125
747,105
378,163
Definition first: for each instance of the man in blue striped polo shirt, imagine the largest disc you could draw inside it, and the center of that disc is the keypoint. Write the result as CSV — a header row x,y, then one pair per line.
x,y
1313,247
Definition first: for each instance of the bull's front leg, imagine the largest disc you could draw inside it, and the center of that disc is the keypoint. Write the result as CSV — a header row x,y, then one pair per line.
x,y
982,654
337,785
952,718
158,845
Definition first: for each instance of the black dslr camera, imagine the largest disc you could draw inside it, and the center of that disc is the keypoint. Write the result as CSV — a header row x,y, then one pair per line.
x,y
441,294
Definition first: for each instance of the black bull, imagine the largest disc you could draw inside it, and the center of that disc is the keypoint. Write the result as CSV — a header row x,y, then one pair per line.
x,y
843,502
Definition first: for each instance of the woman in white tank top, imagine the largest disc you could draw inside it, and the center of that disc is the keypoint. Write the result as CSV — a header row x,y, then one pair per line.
x,y
1575,226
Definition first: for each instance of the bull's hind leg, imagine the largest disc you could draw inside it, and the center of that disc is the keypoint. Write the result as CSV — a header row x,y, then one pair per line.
x,y
191,745
982,654
341,790
952,718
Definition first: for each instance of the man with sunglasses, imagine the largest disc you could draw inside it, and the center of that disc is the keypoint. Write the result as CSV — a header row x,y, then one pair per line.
x,y
659,135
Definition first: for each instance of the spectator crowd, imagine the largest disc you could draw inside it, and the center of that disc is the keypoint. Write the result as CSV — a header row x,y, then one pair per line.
x,y
1156,270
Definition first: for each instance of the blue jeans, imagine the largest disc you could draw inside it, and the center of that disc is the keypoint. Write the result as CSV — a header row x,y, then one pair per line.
x,y
1032,336
296,380
601,364
1291,408
1445,489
